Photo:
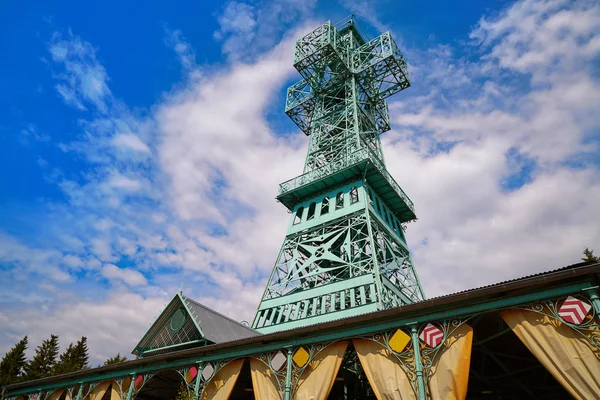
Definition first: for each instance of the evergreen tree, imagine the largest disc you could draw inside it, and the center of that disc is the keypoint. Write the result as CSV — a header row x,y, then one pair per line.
x,y
74,358
66,361
115,360
44,360
588,256
13,364
82,356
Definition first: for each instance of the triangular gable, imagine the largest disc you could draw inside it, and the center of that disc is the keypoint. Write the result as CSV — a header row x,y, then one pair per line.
x,y
174,329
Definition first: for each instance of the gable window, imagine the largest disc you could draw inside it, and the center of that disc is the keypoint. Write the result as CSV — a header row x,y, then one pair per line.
x,y
339,200
311,210
325,206
298,217
354,195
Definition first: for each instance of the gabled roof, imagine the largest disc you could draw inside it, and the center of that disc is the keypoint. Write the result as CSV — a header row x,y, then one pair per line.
x,y
216,327
185,323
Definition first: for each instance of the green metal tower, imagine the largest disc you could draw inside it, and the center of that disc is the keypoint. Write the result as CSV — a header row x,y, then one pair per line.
x,y
345,252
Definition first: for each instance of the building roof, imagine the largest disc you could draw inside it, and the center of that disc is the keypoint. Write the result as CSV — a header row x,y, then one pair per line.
x,y
184,324
557,282
216,327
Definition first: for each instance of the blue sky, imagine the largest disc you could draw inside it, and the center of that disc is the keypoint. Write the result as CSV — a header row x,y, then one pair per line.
x,y
141,150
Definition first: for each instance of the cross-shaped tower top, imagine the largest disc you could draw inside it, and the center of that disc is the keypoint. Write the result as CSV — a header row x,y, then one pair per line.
x,y
345,252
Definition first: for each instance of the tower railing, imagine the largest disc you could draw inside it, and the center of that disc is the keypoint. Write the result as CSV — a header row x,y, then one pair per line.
x,y
364,153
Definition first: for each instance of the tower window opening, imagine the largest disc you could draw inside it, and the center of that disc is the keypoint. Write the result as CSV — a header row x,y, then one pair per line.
x,y
325,206
339,200
353,195
385,215
311,210
377,206
298,217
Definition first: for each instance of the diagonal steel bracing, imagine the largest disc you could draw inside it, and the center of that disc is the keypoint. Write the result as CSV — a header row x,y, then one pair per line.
x,y
345,252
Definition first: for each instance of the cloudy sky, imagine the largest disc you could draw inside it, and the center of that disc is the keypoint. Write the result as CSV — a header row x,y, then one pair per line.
x,y
141,149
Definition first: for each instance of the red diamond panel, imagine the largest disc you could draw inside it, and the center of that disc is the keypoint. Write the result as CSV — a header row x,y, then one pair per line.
x,y
432,335
574,310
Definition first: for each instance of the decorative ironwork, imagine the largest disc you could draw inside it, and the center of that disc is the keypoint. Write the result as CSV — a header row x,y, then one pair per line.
x,y
396,342
405,357
302,357
589,327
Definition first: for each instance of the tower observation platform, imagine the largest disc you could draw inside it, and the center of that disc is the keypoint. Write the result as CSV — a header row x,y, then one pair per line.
x,y
345,252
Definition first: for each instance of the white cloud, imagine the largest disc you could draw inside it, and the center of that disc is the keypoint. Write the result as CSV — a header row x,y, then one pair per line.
x,y
248,30
84,79
184,50
540,104
186,192
130,141
127,275
118,181
112,325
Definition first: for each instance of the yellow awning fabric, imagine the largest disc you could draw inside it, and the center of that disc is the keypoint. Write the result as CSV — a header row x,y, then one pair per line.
x,y
384,372
318,378
97,393
56,394
263,381
115,393
561,350
221,385
449,376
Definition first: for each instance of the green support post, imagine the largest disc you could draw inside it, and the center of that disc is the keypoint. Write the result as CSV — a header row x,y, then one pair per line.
x,y
131,385
418,365
198,378
78,397
595,299
288,376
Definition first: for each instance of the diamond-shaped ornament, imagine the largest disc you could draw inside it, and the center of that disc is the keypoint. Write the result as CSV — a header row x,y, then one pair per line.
x,y
574,310
139,381
301,357
207,371
277,361
191,374
398,341
431,335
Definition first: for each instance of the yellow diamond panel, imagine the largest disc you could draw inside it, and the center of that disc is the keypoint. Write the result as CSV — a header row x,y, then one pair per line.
x,y
301,357
399,340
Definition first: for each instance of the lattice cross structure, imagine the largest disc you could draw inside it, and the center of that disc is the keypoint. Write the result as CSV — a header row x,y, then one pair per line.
x,y
345,252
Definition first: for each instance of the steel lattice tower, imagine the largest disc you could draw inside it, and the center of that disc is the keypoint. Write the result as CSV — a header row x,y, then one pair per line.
x,y
345,252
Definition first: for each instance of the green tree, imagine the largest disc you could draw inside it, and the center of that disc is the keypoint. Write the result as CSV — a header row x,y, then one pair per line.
x,y
82,354
13,364
44,360
588,256
115,360
74,358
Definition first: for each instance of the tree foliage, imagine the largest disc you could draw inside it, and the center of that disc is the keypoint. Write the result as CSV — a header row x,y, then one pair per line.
x,y
44,361
588,256
75,358
12,366
115,360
